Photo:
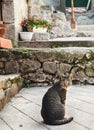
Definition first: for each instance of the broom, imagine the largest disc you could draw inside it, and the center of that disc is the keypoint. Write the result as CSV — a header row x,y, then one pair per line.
x,y
73,23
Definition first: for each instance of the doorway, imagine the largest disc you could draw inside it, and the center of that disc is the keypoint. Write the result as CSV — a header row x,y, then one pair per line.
x,y
77,3
1,10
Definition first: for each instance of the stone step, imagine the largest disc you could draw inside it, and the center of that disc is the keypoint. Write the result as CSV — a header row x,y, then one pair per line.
x,y
85,34
9,86
85,28
59,42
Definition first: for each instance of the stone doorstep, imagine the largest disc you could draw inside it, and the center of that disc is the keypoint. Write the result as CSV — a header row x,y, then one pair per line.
x,y
85,28
60,42
5,43
9,86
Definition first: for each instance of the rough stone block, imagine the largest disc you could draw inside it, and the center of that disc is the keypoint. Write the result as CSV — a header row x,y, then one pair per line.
x,y
41,36
2,84
90,81
2,94
34,10
60,16
14,89
10,31
85,34
50,67
7,95
1,65
89,70
2,97
64,68
56,32
79,76
9,86
29,66
11,67
8,11
1,105
37,77
43,12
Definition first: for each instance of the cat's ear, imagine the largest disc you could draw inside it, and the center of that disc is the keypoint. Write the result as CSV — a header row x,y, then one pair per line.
x,y
59,75
70,76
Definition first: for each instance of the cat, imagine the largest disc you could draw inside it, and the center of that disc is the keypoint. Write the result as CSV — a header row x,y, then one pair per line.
x,y
53,102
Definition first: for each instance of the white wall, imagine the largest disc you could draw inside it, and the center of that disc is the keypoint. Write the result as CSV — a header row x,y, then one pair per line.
x,y
20,11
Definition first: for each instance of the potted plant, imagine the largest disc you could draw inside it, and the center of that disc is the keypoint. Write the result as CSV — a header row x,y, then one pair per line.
x,y
25,35
38,25
24,24
31,25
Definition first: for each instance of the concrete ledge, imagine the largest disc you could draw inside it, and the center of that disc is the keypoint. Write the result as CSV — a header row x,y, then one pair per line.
x,y
9,86
60,42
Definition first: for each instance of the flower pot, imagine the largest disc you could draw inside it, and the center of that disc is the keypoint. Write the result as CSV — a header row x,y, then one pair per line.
x,y
26,36
3,30
39,30
24,29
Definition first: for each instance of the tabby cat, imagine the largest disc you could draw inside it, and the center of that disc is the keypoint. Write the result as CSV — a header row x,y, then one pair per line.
x,y
53,102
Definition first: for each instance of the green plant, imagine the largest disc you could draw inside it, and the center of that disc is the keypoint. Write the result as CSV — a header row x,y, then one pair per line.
x,y
13,41
80,62
26,83
56,46
32,22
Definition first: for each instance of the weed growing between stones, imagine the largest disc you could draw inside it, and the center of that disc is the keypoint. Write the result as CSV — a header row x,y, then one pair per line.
x,y
26,83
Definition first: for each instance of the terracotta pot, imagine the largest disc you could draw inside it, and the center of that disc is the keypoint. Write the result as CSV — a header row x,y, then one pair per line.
x,y
3,30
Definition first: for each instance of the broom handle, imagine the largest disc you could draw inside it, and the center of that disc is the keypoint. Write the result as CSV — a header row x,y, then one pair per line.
x,y
72,9
88,4
73,23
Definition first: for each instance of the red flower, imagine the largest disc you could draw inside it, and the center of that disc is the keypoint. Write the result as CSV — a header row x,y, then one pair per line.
x,y
24,25
30,17
34,20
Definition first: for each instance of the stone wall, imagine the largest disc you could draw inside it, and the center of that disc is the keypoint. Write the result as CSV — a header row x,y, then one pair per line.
x,y
8,17
13,12
55,3
21,12
39,67
9,86
92,5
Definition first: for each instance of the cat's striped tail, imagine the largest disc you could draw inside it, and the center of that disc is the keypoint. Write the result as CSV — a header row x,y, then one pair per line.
x,y
60,122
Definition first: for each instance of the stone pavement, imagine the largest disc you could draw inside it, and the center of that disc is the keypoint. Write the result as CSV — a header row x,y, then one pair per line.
x,y
23,112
